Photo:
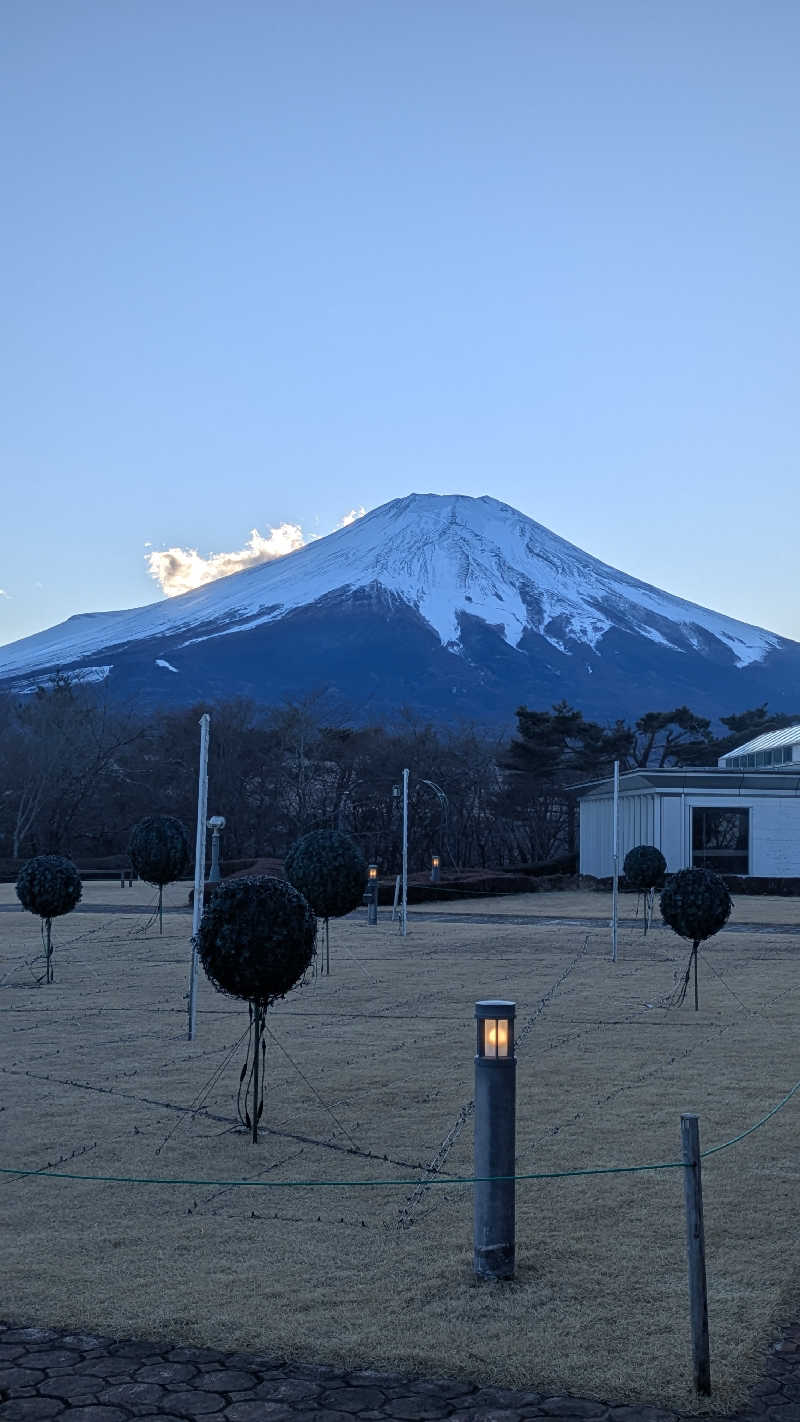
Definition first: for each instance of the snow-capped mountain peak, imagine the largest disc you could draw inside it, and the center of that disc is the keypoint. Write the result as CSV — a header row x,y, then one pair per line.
x,y
452,560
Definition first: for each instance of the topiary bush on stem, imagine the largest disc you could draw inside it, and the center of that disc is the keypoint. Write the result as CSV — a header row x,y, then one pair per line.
x,y
695,904
159,850
256,939
49,886
644,870
329,870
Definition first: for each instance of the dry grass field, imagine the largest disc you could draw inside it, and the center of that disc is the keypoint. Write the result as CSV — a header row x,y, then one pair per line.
x,y
368,1073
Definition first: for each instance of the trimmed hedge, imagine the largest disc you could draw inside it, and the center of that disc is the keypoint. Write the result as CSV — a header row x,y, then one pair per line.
x,y
256,938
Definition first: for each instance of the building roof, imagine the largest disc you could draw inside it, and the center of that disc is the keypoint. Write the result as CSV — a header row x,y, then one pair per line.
x,y
789,736
676,779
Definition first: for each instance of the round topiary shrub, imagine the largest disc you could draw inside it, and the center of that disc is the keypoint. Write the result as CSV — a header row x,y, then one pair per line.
x,y
644,867
329,870
256,939
159,850
695,903
49,886
644,870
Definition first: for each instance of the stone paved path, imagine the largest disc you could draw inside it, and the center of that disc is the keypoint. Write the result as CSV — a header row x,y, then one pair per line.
x,y
47,1373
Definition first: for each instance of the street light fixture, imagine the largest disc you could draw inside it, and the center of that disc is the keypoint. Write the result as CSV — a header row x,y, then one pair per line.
x,y
215,824
435,869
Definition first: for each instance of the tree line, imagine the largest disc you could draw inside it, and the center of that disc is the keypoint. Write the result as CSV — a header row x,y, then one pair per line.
x,y
78,770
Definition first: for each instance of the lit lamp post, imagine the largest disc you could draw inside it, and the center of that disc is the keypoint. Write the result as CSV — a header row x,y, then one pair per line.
x,y
435,869
215,824
372,888
495,1131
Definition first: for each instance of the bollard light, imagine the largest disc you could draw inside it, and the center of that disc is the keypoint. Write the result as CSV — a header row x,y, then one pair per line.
x,y
372,890
495,1140
496,1036
435,869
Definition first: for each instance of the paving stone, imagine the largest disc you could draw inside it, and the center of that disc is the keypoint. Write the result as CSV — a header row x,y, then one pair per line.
x,y
253,1362
71,1387
132,1394
494,1397
226,1380
322,1371
415,1409
317,1416
444,1387
194,1355
573,1407
10,1351
487,1414
53,1357
146,1416
16,1375
259,1410
640,1414
84,1342
374,1377
96,1414
103,1366
191,1402
282,1389
30,1409
352,1399
166,1372
132,1348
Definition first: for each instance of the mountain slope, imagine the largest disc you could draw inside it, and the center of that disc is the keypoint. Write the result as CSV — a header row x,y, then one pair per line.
x,y
436,601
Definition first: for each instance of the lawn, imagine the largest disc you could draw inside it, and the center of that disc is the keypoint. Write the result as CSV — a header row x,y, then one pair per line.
x,y
369,1075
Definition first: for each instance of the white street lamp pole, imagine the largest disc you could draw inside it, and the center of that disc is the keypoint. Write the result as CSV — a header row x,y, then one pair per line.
x,y
615,851
199,866
404,909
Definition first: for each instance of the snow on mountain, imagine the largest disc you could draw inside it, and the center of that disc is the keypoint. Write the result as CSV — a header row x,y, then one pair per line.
x,y
445,556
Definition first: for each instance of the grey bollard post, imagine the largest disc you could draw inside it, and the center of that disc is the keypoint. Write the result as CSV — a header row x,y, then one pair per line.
x,y
696,1246
495,1140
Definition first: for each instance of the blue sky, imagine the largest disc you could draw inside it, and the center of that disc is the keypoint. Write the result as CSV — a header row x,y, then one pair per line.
x,y
265,263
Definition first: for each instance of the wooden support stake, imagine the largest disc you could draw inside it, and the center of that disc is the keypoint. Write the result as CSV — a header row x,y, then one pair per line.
x,y
696,1247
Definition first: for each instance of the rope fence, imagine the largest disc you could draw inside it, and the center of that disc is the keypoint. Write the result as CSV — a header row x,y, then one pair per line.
x,y
432,1180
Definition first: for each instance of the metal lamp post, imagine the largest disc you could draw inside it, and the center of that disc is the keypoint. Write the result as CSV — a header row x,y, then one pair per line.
x,y
372,889
435,869
215,824
495,1133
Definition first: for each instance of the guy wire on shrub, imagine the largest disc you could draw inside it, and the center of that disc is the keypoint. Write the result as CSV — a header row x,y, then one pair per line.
x,y
159,850
256,939
695,903
50,886
329,870
644,870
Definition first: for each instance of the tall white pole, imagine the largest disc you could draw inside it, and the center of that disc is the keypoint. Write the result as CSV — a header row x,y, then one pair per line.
x,y
404,910
199,865
615,847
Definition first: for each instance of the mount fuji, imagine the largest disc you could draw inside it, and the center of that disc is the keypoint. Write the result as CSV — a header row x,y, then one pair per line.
x,y
458,608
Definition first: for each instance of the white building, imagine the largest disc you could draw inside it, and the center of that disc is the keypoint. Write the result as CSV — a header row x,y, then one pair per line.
x,y
741,818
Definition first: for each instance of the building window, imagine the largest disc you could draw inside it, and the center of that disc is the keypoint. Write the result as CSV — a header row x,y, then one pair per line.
x,y
721,840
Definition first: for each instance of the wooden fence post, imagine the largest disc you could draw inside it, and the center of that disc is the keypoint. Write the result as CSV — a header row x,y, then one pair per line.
x,y
696,1247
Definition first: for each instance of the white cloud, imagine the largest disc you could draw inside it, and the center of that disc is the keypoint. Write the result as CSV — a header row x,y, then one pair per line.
x,y
351,517
3,593
178,570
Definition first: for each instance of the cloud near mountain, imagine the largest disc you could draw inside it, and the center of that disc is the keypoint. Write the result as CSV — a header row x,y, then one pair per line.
x,y
179,570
